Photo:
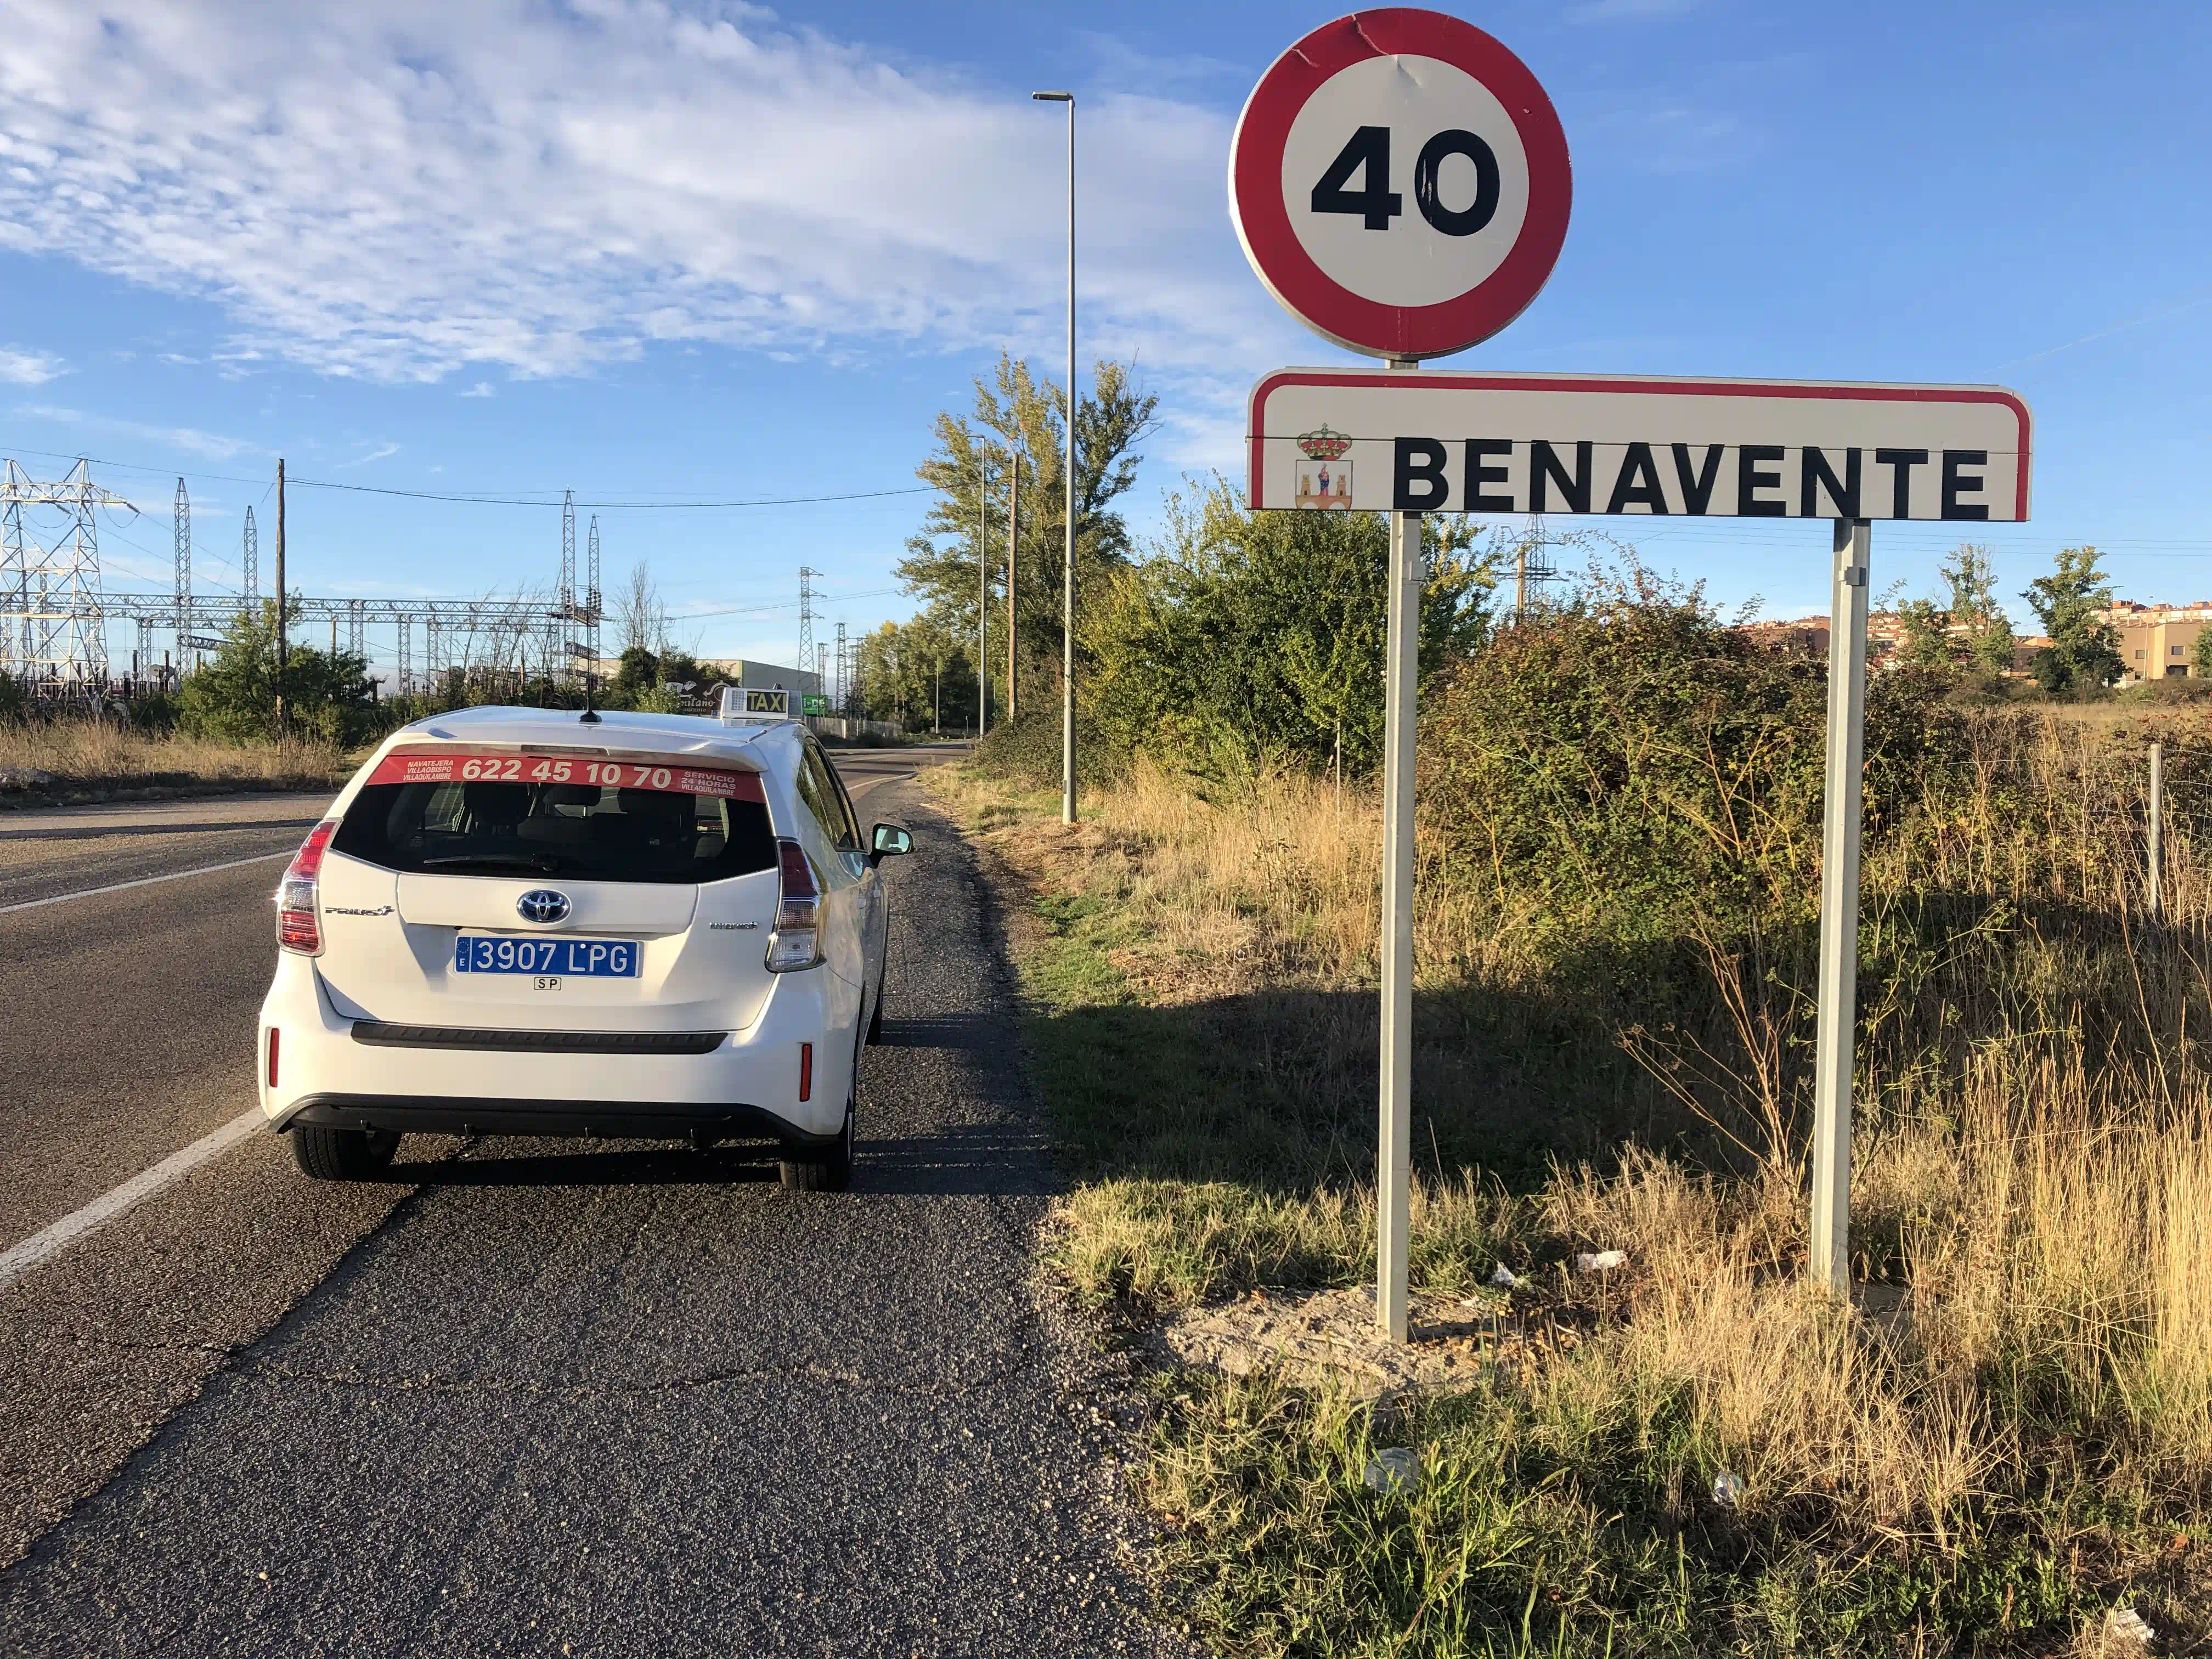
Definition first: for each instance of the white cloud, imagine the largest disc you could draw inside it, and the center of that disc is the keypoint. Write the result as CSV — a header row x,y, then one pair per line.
x,y
20,368
1674,135
212,444
408,190
377,454
481,389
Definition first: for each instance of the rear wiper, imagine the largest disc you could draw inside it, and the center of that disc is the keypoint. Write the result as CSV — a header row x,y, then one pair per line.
x,y
544,863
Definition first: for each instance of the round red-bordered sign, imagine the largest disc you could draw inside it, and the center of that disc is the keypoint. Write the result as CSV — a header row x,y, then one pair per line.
x,y
1400,183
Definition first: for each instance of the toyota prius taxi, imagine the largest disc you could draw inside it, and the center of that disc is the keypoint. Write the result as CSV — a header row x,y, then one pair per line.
x,y
530,921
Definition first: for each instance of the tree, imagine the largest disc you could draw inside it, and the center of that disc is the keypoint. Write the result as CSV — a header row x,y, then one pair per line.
x,y
902,671
1964,626
234,696
1928,642
641,618
1018,415
1970,576
2083,653
1263,633
2200,653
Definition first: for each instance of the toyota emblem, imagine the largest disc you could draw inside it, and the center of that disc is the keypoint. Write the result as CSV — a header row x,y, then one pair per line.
x,y
543,904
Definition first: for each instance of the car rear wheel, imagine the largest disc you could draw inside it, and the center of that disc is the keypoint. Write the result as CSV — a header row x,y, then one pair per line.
x,y
830,1171
343,1154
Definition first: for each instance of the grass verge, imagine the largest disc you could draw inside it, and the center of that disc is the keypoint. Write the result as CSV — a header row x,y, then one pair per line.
x,y
2017,1442
81,758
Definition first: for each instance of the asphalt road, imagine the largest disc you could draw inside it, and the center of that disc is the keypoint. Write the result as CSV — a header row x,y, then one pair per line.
x,y
526,1397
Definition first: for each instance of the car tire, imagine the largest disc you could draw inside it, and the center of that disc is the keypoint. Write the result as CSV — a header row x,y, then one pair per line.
x,y
343,1154
829,1170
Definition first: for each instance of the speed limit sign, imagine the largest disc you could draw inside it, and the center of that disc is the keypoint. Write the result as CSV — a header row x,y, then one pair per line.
x,y
1400,182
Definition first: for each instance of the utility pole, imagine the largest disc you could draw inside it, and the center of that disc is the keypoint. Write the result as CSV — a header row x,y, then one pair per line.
x,y
1067,591
282,652
592,604
250,558
1013,532
982,609
2157,833
186,657
844,677
806,660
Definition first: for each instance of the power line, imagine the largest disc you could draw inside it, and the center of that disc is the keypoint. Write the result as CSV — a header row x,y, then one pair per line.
x,y
655,506
511,498
786,604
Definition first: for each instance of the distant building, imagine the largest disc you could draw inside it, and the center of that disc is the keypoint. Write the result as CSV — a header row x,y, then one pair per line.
x,y
738,670
1807,636
2156,640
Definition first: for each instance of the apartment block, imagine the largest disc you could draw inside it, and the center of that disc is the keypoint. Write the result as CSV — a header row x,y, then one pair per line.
x,y
2156,640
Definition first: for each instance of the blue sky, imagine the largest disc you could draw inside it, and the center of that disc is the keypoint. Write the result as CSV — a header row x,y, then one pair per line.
x,y
656,251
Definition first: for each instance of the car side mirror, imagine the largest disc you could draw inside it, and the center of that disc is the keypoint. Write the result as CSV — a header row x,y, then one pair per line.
x,y
887,840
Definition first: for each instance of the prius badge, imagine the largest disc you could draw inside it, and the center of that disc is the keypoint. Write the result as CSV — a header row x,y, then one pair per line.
x,y
543,904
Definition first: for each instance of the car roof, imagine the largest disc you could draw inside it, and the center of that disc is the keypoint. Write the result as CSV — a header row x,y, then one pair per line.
x,y
688,737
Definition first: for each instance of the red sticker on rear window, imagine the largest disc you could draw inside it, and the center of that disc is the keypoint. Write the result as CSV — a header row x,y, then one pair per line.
x,y
475,766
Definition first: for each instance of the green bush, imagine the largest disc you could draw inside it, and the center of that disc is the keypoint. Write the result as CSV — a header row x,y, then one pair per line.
x,y
233,697
1028,752
1619,763
1253,638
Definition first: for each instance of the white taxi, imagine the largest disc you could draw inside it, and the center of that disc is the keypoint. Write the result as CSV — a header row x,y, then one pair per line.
x,y
530,921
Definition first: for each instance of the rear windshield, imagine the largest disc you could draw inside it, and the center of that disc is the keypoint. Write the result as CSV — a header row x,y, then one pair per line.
x,y
584,831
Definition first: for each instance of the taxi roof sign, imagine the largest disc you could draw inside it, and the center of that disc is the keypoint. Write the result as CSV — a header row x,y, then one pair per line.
x,y
753,702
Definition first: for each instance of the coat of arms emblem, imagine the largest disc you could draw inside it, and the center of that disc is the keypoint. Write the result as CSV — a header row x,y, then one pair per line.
x,y
1324,475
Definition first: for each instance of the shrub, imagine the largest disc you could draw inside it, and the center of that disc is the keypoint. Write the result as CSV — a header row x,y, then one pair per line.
x,y
233,697
1613,764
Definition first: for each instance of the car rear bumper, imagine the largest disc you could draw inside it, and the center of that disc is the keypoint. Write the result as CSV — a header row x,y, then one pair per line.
x,y
612,1120
448,1079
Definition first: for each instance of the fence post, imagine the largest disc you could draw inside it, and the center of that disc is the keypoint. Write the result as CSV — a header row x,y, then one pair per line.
x,y
2157,834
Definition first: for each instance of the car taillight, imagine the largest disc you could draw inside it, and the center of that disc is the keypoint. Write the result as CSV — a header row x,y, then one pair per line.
x,y
299,926
796,942
272,1056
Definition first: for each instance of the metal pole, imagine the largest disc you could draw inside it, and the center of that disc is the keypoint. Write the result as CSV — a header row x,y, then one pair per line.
x,y
1830,1262
2157,832
282,598
1067,591
1393,1171
982,609
1013,530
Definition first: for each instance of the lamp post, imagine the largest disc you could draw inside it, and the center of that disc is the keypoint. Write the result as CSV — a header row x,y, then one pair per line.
x,y
1068,587
982,609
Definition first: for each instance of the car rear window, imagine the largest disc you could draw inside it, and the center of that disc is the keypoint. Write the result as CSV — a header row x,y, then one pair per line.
x,y
642,823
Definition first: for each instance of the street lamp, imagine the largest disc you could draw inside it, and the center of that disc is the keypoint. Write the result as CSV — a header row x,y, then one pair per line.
x,y
1067,588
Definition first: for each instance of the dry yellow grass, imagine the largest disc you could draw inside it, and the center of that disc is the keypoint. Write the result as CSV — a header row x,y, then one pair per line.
x,y
2033,1374
84,753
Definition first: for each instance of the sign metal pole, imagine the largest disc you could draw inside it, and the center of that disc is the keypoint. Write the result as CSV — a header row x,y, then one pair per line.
x,y
1394,1156
1829,1262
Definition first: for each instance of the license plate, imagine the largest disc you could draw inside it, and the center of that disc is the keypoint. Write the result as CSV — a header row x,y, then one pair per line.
x,y
588,958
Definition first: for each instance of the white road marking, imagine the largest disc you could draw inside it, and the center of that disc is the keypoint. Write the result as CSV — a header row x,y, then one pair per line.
x,y
20,1259
143,881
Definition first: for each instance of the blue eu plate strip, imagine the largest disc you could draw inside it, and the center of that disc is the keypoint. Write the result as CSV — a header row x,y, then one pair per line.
x,y
588,958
